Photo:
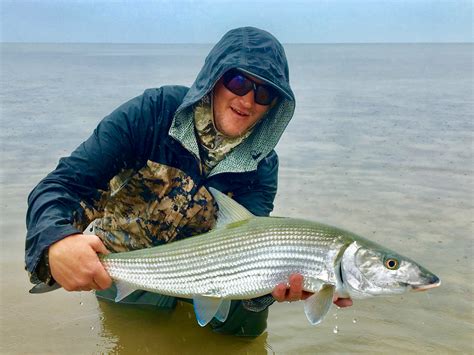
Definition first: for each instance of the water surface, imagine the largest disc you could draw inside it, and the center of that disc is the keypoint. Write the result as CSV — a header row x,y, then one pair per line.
x,y
381,144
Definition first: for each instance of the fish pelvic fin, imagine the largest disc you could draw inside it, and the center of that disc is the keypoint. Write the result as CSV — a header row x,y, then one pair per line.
x,y
123,290
207,308
230,211
317,306
223,311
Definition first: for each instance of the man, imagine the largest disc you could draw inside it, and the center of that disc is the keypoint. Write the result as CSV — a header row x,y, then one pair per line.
x,y
142,178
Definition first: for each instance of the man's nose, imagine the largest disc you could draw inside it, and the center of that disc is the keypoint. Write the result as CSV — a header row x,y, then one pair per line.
x,y
248,99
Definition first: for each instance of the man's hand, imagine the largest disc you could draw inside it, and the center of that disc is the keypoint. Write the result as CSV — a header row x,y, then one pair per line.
x,y
296,293
75,265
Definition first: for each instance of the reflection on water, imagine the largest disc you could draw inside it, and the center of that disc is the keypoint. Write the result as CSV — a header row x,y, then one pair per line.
x,y
143,329
381,145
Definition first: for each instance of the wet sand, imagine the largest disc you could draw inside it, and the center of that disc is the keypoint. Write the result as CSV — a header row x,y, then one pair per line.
x,y
381,145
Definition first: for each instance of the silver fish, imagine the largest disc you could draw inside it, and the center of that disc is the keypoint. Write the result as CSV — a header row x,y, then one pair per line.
x,y
247,256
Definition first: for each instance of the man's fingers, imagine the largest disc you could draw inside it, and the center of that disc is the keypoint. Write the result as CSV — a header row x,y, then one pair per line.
x,y
293,292
279,292
95,285
97,245
296,287
92,285
75,265
343,302
102,278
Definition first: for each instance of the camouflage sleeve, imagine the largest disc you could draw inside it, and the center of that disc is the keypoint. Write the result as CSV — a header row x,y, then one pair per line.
x,y
70,197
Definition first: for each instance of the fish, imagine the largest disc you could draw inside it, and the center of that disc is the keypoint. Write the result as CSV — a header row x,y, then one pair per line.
x,y
246,256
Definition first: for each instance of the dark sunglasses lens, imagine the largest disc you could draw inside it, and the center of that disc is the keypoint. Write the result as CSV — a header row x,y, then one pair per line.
x,y
238,84
241,85
264,95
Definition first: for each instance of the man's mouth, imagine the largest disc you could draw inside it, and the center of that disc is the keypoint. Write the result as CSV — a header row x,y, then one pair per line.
x,y
240,112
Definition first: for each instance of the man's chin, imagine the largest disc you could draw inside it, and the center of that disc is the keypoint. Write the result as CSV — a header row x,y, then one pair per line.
x,y
232,132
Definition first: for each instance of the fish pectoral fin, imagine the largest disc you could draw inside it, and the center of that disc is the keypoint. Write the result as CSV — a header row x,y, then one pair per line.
x,y
208,307
123,290
229,210
317,306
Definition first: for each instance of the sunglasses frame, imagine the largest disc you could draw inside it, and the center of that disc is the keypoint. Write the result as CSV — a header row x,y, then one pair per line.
x,y
233,73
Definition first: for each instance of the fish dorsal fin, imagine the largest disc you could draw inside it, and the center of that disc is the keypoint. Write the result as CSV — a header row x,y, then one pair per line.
x,y
229,210
317,306
208,307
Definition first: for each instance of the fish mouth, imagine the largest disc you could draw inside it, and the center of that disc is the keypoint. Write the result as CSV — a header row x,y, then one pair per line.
x,y
434,283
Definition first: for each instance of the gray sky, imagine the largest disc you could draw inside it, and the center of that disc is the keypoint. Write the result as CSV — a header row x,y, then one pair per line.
x,y
205,21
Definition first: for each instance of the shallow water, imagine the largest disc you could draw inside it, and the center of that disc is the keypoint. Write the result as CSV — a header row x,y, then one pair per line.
x,y
381,144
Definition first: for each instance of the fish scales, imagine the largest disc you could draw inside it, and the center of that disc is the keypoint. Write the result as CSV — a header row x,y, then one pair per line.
x,y
246,256
245,260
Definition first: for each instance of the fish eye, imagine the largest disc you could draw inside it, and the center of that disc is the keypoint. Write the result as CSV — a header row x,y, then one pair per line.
x,y
391,263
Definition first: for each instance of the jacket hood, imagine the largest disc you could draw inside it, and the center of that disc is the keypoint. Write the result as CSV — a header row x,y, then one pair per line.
x,y
260,54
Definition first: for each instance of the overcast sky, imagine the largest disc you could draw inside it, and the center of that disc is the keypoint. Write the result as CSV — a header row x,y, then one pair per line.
x,y
205,21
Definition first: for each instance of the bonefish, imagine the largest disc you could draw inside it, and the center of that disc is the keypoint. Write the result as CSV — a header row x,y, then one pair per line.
x,y
246,256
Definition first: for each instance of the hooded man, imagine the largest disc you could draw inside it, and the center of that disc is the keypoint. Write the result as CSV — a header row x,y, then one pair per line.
x,y
142,178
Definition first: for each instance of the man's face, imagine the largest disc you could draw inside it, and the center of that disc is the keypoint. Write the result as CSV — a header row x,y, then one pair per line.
x,y
233,114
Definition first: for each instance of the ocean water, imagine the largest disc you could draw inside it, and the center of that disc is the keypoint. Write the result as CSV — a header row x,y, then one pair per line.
x,y
381,144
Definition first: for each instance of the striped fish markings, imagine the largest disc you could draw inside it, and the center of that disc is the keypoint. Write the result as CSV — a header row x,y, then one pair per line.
x,y
246,256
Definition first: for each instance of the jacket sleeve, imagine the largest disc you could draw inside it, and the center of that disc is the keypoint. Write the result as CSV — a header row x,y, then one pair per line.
x,y
258,196
71,196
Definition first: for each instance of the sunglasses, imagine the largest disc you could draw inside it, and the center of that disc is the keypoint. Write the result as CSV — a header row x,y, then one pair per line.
x,y
240,85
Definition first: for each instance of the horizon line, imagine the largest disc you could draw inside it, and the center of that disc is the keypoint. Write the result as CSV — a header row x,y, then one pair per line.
x,y
211,43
